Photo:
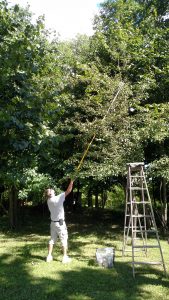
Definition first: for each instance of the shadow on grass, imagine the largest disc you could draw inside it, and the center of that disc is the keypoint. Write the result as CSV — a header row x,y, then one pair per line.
x,y
79,225
24,275
114,284
84,283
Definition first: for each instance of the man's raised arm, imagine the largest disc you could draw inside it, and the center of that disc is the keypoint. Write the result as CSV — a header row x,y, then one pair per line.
x,y
69,188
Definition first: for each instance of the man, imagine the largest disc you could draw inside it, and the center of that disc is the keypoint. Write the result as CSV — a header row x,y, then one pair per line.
x,y
58,226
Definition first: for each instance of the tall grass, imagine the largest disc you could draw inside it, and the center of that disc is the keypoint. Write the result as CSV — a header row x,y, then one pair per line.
x,y
24,274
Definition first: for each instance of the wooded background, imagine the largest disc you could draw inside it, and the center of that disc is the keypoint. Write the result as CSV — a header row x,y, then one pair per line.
x,y
54,95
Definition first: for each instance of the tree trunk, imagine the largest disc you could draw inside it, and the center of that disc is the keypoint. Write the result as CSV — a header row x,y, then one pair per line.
x,y
89,198
2,207
13,207
96,200
79,194
104,198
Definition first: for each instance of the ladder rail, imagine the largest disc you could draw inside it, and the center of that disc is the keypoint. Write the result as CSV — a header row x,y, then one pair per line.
x,y
139,215
143,199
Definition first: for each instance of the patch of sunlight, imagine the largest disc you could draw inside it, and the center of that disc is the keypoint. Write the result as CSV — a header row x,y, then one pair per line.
x,y
115,226
119,294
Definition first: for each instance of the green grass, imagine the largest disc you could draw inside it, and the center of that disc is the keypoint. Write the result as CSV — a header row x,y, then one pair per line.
x,y
24,274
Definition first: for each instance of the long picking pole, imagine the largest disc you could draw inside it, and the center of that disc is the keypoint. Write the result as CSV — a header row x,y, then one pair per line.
x,y
114,99
94,135
85,152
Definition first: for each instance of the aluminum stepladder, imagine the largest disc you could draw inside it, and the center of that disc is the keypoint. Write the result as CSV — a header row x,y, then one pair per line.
x,y
139,224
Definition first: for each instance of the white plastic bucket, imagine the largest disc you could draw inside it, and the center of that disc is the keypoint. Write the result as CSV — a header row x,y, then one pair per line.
x,y
105,257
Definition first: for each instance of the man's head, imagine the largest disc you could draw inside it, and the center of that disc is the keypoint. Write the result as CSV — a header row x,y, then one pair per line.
x,y
49,193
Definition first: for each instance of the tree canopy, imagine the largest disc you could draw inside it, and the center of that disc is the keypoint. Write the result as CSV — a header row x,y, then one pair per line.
x,y
55,96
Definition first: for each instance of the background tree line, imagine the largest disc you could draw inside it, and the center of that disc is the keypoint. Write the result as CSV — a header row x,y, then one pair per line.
x,y
55,95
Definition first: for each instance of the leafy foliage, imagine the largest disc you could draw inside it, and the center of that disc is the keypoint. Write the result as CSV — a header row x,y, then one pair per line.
x,y
55,96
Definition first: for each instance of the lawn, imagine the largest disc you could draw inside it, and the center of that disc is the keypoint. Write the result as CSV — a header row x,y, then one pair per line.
x,y
24,274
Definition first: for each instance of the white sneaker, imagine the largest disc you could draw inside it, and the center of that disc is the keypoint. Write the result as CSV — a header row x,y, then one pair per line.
x,y
49,258
66,259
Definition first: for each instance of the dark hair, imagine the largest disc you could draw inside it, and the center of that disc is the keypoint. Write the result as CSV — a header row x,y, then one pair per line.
x,y
45,196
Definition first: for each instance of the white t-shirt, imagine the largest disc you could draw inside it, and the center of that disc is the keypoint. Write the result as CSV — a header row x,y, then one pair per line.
x,y
55,205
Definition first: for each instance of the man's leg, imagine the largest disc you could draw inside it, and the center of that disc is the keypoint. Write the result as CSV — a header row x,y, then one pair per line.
x,y
50,249
64,241
51,242
64,247
66,258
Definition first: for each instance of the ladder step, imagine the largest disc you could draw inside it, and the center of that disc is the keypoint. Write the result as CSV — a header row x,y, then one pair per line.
x,y
147,263
137,188
141,216
146,246
135,227
148,230
137,176
139,202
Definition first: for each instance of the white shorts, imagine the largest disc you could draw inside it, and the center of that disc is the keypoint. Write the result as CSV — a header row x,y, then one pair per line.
x,y
60,231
